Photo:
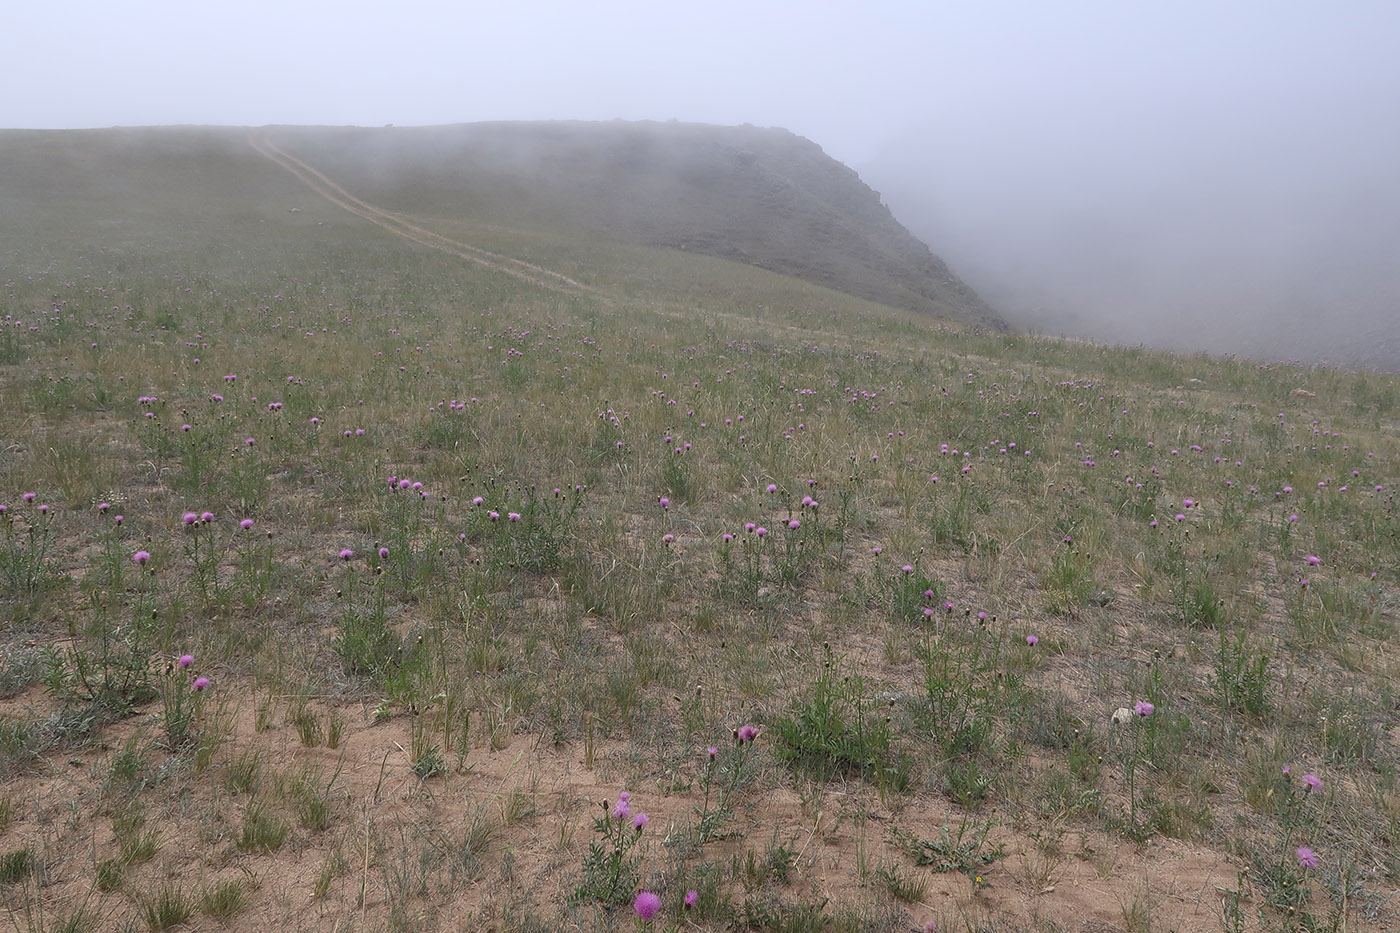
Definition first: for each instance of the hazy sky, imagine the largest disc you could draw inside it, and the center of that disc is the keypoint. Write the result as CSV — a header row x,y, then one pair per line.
x,y
1120,162
848,75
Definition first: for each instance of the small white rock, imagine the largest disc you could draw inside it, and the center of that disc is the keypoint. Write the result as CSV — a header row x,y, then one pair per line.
x,y
1122,715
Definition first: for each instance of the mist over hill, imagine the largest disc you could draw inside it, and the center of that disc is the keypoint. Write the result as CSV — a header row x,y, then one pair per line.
x,y
764,197
1270,234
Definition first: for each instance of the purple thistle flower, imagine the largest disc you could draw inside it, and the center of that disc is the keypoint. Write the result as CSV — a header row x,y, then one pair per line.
x,y
190,518
186,660
1144,708
647,905
383,553
246,524
640,821
1307,858
691,899
1032,640
140,557
206,516
346,554
1312,782
199,684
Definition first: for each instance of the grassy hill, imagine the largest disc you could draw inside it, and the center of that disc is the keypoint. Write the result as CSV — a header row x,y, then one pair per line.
x,y
469,522
763,197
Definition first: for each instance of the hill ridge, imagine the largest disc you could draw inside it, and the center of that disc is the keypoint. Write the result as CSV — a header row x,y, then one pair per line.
x,y
765,197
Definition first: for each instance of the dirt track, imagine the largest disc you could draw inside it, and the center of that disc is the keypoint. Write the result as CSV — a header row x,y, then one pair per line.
x,y
401,227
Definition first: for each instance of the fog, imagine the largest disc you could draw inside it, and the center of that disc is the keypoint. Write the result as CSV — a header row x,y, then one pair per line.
x,y
1196,174
1268,231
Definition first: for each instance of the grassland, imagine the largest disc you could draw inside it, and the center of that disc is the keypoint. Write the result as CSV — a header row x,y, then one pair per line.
x,y
423,702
